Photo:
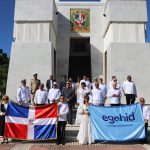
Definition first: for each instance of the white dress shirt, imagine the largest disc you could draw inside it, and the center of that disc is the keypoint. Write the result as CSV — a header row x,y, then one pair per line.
x,y
103,87
93,85
63,110
111,82
73,85
81,93
23,95
41,97
51,83
146,113
5,107
87,82
54,94
114,100
96,97
129,88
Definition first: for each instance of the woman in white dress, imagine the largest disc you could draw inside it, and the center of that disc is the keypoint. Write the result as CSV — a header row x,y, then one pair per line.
x,y
81,93
85,134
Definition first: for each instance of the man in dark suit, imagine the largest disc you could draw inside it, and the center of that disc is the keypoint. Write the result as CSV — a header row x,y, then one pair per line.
x,y
63,82
68,94
49,82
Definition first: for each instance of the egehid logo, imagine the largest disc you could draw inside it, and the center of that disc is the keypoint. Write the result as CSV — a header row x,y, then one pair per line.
x,y
125,118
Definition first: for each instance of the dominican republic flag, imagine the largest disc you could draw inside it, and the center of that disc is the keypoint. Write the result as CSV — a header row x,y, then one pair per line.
x,y
29,123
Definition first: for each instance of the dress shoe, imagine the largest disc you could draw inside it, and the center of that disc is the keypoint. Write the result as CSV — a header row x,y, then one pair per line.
x,y
57,143
63,142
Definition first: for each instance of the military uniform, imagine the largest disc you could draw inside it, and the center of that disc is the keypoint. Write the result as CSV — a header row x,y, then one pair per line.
x,y
34,86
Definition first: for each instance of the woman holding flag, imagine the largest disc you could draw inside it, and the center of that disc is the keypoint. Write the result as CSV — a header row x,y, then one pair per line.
x,y
3,107
85,134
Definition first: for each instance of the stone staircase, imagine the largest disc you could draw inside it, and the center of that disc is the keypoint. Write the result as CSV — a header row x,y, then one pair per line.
x,y
71,133
72,130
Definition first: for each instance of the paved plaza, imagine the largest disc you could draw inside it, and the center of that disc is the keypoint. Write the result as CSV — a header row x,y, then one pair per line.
x,y
72,144
73,147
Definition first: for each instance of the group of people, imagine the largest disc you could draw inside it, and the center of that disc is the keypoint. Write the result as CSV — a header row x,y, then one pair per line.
x,y
82,93
75,92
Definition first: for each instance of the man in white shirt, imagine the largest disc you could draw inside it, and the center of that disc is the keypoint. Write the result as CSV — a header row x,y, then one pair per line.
x,y
23,94
103,87
63,110
54,94
87,82
95,82
96,97
41,97
146,115
114,79
114,94
129,90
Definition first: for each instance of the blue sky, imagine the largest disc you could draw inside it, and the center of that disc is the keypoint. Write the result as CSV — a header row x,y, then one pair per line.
x,y
6,23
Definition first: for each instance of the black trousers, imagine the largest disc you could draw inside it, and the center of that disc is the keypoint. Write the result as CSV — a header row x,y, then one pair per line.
x,y
145,139
146,131
69,116
130,99
115,104
61,131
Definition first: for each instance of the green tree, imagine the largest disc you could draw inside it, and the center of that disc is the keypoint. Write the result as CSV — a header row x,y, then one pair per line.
x,y
4,63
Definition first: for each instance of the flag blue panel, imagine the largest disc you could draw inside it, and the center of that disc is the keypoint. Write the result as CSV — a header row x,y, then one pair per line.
x,y
45,131
17,110
120,123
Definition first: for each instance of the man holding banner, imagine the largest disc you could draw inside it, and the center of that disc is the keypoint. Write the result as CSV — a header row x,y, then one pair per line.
x,y
146,116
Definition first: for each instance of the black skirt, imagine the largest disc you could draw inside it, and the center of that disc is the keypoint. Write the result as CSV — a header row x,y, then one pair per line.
x,y
2,121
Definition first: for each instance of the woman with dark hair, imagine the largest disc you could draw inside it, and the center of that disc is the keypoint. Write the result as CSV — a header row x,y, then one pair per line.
x,y
3,106
85,134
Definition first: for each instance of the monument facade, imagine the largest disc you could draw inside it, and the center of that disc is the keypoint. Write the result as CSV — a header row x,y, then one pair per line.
x,y
95,38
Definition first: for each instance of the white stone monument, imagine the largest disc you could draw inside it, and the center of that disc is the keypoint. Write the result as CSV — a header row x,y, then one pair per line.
x,y
114,44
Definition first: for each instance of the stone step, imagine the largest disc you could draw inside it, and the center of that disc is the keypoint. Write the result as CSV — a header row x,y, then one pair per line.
x,y
72,132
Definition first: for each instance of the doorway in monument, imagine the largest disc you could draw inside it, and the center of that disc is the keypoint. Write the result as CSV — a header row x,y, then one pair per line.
x,y
79,58
105,69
